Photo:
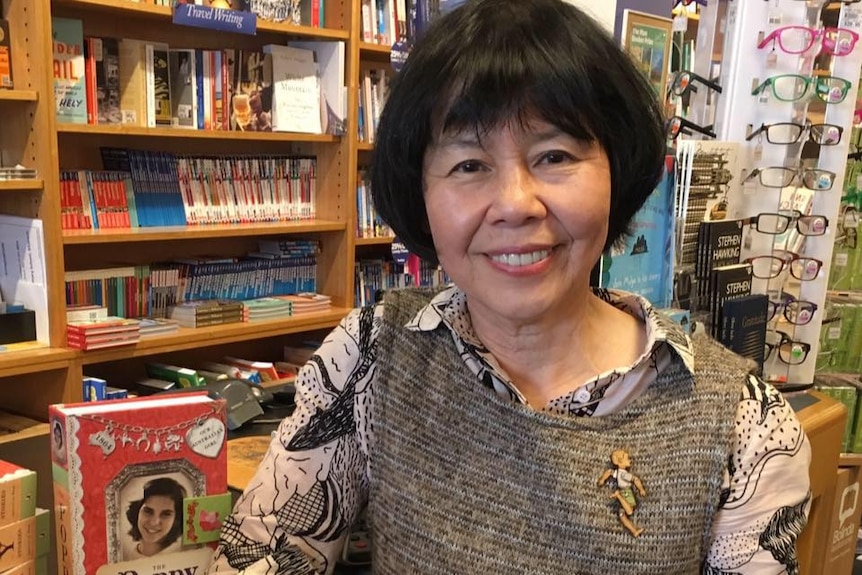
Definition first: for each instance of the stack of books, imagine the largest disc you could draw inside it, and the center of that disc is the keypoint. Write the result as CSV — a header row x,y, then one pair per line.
x,y
307,302
101,333
151,327
266,308
25,530
204,313
18,172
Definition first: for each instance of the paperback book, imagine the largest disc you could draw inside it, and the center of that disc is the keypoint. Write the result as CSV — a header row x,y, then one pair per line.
x,y
5,56
70,92
140,485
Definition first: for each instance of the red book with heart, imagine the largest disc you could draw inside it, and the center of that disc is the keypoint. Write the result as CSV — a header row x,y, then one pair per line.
x,y
139,483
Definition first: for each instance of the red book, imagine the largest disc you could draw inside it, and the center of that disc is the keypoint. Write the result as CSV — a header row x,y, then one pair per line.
x,y
140,485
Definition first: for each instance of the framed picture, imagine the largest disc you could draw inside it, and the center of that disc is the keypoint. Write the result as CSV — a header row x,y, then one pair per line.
x,y
648,39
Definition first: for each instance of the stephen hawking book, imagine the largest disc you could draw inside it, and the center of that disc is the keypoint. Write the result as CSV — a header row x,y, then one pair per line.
x,y
727,283
70,91
719,244
140,485
743,327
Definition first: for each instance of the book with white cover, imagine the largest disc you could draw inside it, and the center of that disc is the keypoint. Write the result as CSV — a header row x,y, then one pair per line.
x,y
296,95
330,56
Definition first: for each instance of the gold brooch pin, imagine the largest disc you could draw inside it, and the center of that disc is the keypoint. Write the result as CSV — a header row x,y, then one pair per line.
x,y
624,494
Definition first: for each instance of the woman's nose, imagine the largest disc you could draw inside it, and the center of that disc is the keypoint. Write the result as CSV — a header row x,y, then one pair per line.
x,y
516,197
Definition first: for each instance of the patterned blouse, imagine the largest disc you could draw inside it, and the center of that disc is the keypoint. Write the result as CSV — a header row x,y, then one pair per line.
x,y
289,519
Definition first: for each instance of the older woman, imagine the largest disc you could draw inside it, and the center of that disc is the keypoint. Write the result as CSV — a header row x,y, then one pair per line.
x,y
520,421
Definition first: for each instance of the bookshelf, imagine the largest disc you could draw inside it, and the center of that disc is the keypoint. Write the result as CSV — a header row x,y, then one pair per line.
x,y
33,137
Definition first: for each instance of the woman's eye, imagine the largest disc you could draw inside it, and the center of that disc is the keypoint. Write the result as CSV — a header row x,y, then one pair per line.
x,y
468,167
555,157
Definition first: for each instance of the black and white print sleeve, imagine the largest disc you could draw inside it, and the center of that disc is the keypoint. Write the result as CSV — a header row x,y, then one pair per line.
x,y
765,500
294,515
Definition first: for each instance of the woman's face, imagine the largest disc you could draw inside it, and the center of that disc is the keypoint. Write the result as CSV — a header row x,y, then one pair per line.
x,y
156,518
518,218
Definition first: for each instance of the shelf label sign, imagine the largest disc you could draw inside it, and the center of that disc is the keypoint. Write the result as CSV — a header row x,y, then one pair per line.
x,y
215,18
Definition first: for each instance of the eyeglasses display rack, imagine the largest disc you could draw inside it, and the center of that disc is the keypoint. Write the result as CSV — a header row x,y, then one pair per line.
x,y
789,85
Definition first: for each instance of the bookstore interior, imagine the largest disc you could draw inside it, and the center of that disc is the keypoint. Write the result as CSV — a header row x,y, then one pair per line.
x,y
185,204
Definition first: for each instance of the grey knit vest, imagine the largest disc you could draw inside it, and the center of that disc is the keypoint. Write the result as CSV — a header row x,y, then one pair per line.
x,y
465,482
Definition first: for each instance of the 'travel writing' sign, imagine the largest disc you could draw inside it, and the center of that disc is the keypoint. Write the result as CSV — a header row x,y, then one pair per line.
x,y
215,18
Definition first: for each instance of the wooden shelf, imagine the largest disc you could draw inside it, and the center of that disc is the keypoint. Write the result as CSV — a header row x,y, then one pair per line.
x,y
73,237
850,460
21,185
188,338
128,9
36,430
20,362
369,50
365,146
19,95
122,130
373,241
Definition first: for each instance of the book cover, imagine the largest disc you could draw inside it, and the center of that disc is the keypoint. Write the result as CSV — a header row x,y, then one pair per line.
x,y
744,326
106,54
70,92
131,478
644,265
330,58
297,100
722,242
133,82
183,90
251,91
158,75
727,283
5,56
17,492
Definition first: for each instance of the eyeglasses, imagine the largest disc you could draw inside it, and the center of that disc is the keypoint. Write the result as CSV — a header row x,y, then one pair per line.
x,y
777,223
789,351
770,267
791,132
793,87
781,177
797,312
799,39
682,83
678,125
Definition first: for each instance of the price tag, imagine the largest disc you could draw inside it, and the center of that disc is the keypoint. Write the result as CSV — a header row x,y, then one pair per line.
x,y
749,187
834,332
841,260
774,18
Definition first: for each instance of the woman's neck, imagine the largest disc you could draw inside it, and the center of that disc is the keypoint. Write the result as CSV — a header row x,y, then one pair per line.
x,y
549,359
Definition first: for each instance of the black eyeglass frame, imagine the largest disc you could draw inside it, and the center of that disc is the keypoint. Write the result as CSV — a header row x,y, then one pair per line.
x,y
806,127
785,339
686,127
689,87
791,217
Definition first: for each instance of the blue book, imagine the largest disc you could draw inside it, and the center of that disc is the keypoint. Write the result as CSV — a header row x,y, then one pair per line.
x,y
644,265
70,91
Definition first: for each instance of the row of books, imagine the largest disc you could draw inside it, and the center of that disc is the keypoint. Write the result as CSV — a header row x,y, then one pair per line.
x,y
374,89
113,459
141,189
295,88
389,21
25,529
368,222
372,277
148,291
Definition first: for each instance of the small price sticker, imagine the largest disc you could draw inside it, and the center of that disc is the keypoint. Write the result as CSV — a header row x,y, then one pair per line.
x,y
841,260
834,332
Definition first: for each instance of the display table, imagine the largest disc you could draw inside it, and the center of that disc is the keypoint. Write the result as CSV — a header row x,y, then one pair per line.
x,y
822,419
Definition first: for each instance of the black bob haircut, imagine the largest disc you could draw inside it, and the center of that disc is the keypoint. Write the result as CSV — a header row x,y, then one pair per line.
x,y
489,62
166,487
